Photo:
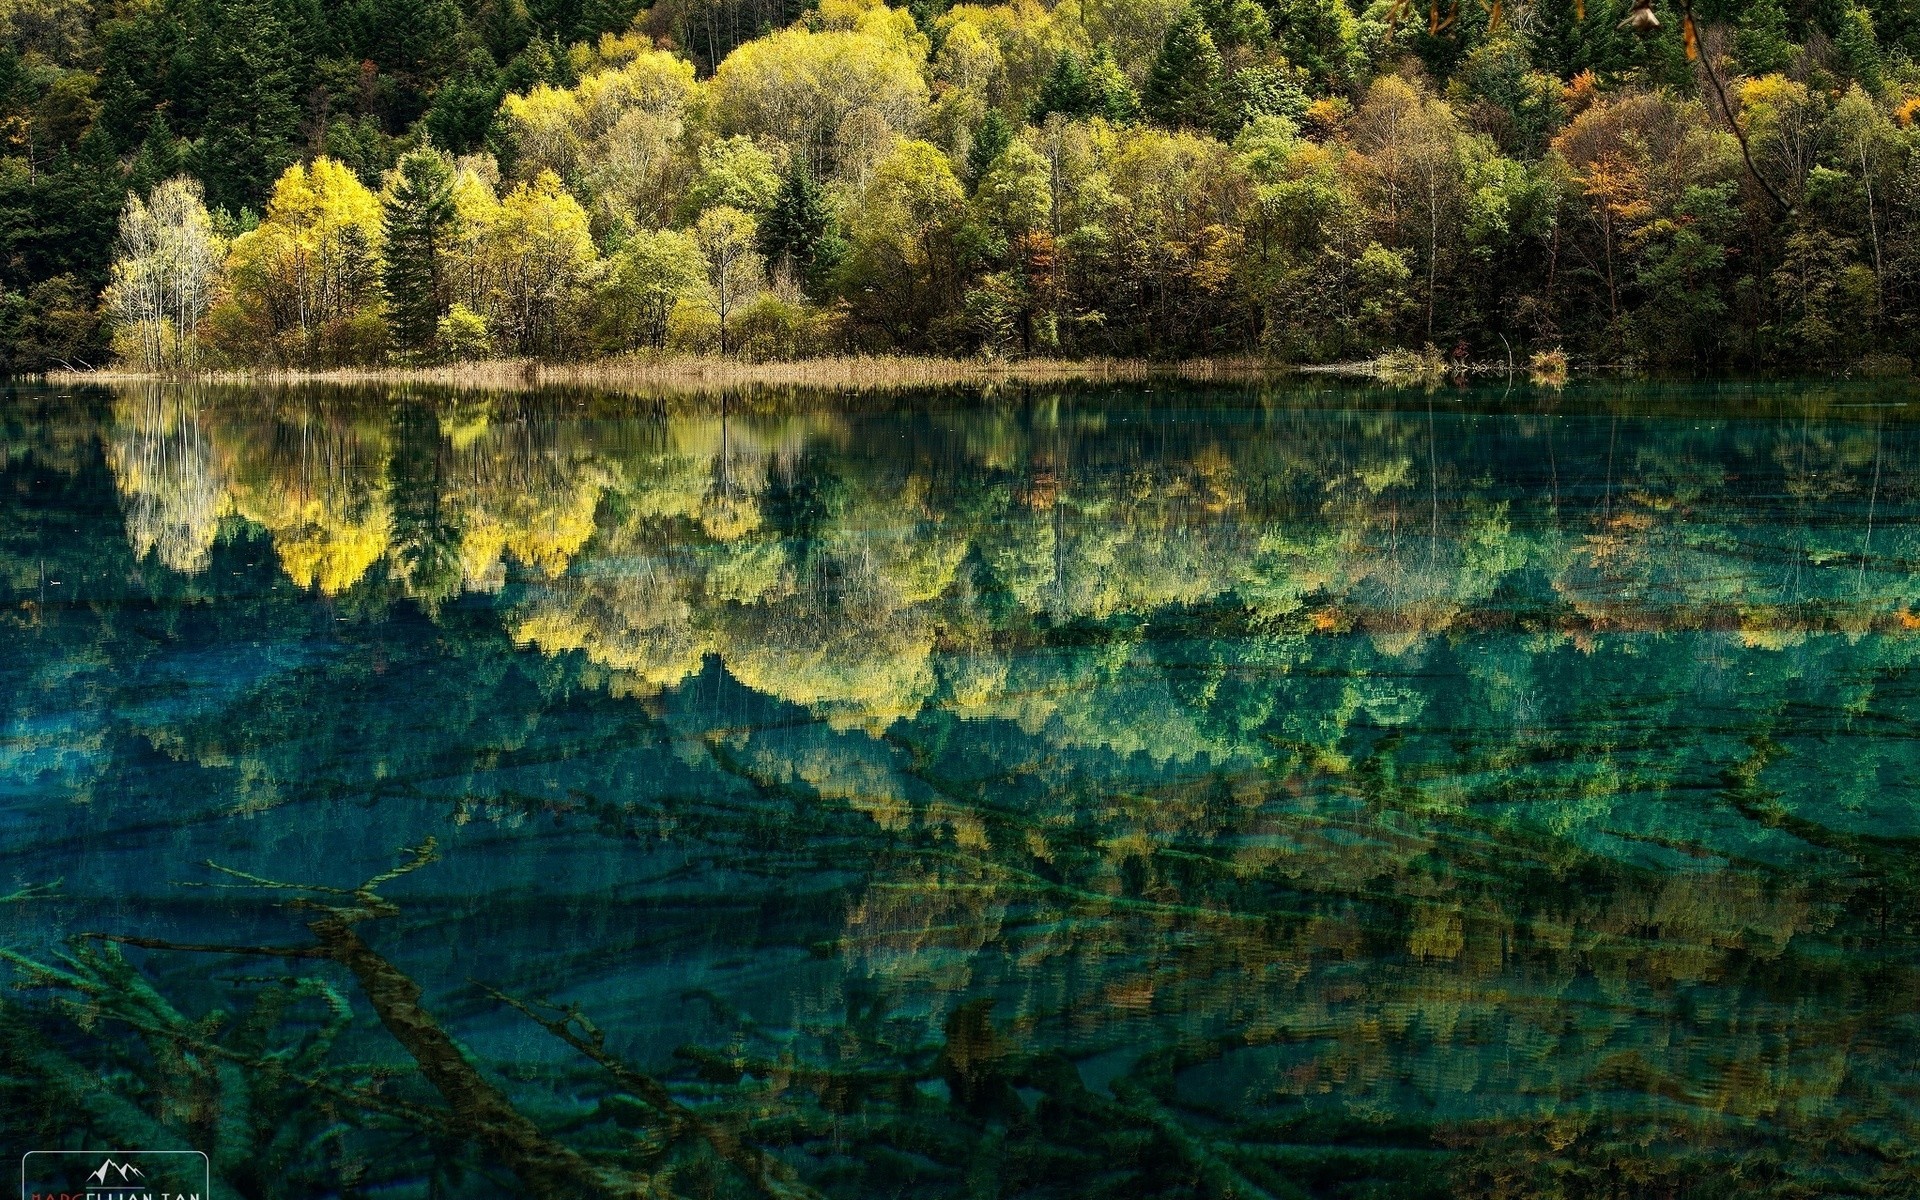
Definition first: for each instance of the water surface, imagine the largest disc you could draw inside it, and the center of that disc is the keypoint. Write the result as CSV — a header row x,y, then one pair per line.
x,y
1295,791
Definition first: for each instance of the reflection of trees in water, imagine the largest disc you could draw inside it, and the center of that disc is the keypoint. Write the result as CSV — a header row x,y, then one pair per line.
x,y
1227,815
170,485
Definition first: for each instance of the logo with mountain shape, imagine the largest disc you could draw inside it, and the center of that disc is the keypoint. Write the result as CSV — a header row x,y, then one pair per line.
x,y
125,1172
115,1175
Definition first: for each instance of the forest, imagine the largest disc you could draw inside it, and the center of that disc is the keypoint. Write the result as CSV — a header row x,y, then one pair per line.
x,y
192,184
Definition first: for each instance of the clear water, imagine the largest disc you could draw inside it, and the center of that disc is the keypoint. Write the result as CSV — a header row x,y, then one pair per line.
x,y
1295,791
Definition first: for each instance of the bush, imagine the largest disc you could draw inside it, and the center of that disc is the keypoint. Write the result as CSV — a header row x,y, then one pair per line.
x,y
355,340
693,329
782,327
462,334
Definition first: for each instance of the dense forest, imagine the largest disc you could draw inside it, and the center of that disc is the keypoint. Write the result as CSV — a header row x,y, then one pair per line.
x,y
339,182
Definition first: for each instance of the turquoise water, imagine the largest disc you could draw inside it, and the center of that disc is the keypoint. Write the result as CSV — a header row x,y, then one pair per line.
x,y
1292,791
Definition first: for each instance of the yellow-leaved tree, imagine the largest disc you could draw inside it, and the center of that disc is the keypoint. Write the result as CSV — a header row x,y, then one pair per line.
x,y
543,260
306,282
827,92
613,136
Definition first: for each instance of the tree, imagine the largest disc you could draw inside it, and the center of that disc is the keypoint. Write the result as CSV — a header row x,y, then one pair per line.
x,y
462,334
543,257
990,140
902,273
310,269
1066,90
1184,84
165,277
735,270
652,273
800,87
1761,45
1409,142
1322,37
735,172
417,221
1679,267
800,233
252,101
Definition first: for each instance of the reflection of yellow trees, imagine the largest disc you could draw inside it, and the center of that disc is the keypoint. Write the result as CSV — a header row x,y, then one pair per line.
x,y
320,489
653,543
1504,989
1314,892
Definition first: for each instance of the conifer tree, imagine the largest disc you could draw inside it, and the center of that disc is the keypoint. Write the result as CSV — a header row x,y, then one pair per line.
x,y
417,218
990,141
252,106
1183,88
1065,90
1096,88
1112,96
1760,41
799,229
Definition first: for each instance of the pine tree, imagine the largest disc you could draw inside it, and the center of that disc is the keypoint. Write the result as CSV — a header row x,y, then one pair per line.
x,y
1066,91
417,218
1097,88
798,230
1113,97
990,141
160,156
252,102
1183,88
1760,42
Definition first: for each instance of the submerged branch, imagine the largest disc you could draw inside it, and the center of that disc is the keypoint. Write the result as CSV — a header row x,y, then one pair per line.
x,y
770,1175
547,1169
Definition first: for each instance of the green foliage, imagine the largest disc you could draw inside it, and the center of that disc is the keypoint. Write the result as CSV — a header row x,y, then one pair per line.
x,y
1521,108
995,134
1553,192
736,172
462,334
1186,80
1096,88
1761,45
252,101
418,222
800,233
652,274
1255,92
1320,36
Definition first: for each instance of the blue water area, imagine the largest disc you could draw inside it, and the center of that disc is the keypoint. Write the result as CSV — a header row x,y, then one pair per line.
x,y
1293,790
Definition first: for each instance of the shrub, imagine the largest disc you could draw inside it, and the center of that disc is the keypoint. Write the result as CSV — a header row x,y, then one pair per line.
x,y
462,334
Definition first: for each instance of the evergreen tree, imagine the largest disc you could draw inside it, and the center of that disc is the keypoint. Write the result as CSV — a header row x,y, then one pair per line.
x,y
464,106
1096,88
1760,41
799,230
990,141
1571,36
1184,86
1260,92
252,102
1113,97
1066,90
1322,37
161,156
417,217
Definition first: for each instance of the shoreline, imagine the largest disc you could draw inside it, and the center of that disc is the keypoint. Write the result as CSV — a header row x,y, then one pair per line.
x,y
858,372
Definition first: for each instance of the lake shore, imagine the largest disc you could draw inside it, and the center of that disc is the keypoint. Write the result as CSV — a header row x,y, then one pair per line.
x,y
858,372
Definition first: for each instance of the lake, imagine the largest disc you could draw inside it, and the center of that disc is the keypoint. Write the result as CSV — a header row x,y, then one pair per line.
x,y
1290,790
